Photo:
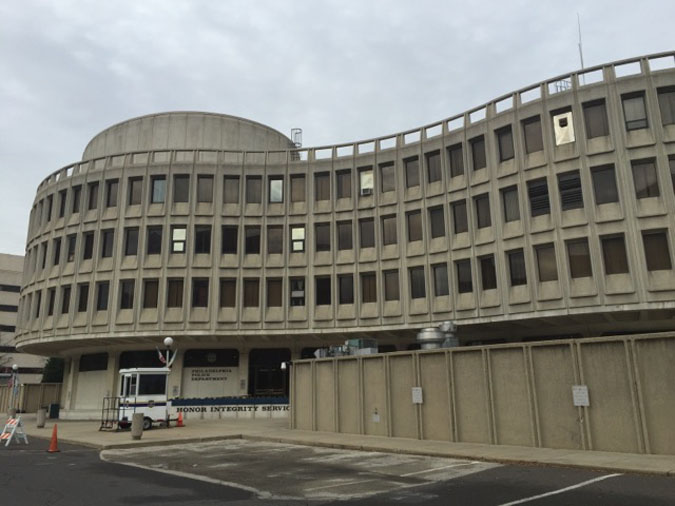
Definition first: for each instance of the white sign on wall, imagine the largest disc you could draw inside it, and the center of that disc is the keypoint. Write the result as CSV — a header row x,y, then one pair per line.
x,y
210,381
580,395
417,395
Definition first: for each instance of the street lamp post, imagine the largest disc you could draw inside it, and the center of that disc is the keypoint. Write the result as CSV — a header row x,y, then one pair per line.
x,y
168,343
286,371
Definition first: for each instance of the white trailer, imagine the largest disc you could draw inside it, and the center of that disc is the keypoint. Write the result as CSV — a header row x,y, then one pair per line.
x,y
144,389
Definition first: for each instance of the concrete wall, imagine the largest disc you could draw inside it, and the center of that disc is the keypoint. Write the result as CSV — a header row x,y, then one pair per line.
x,y
30,398
516,394
185,130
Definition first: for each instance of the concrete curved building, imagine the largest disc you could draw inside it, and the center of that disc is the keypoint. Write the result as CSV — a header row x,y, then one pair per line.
x,y
544,213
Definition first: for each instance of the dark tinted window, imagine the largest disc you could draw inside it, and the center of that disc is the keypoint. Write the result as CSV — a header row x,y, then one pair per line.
x,y
505,143
433,166
181,188
614,255
323,294
417,283
604,184
252,246
253,190
532,133
595,119
456,160
412,172
322,236
478,153
229,239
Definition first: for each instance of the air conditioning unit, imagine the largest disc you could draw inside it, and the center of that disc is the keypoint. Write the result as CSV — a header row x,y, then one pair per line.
x,y
366,191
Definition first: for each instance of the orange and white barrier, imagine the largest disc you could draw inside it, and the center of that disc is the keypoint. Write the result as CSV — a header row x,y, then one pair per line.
x,y
13,427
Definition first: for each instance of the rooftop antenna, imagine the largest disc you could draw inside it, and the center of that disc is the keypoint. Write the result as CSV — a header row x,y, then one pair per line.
x,y
581,52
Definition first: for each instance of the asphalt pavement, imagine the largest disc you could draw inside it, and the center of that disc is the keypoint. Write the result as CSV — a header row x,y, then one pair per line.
x,y
86,433
263,462
241,472
76,476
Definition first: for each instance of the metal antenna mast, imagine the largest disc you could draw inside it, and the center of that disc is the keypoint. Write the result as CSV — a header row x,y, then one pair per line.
x,y
581,52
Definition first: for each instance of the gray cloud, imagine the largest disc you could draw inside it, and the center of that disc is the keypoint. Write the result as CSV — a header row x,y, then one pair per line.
x,y
340,70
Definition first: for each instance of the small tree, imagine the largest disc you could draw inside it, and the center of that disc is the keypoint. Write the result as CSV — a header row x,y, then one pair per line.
x,y
53,371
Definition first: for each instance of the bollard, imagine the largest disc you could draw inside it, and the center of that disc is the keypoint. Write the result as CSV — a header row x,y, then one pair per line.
x,y
41,417
137,426
11,413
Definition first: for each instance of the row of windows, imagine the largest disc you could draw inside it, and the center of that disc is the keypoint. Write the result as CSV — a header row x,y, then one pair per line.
x,y
569,186
10,288
595,121
615,261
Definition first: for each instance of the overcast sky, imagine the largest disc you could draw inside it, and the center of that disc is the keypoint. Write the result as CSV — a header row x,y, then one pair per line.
x,y
340,70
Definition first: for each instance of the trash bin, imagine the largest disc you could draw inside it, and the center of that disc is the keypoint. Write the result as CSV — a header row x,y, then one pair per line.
x,y
54,410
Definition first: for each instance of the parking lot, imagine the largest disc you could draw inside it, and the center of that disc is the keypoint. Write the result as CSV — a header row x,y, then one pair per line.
x,y
283,471
294,474
251,472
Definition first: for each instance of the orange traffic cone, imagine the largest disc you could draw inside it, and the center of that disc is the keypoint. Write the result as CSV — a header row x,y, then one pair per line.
x,y
180,420
54,443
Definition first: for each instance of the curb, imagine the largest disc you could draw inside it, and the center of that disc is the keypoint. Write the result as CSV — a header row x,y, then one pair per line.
x,y
143,444
371,447
450,455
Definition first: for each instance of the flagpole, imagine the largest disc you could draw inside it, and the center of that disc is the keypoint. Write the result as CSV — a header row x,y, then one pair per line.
x,y
15,387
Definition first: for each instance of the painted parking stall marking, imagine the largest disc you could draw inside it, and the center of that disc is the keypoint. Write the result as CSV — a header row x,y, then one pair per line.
x,y
561,490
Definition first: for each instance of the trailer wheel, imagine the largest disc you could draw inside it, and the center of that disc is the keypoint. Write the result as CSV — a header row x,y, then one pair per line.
x,y
147,423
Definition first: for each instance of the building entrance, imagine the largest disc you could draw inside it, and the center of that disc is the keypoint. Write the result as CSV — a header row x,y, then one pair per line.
x,y
265,376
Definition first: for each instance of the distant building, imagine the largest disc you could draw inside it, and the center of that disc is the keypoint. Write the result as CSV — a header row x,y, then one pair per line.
x,y
545,213
30,366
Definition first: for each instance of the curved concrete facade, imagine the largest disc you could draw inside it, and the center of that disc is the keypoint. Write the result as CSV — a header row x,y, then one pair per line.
x,y
545,213
185,130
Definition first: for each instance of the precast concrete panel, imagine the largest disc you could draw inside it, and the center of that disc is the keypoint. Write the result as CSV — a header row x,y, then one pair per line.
x,y
212,131
324,389
612,415
161,131
194,131
145,134
304,386
436,412
132,137
178,130
510,397
349,396
403,411
374,396
470,391
560,423
655,361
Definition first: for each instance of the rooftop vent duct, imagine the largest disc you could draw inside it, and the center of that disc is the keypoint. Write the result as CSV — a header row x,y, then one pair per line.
x,y
443,336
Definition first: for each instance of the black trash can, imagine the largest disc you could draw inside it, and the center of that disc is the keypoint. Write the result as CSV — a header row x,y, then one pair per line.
x,y
54,410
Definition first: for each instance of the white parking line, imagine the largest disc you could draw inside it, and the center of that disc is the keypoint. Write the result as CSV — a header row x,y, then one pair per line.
x,y
335,485
438,469
339,485
560,491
